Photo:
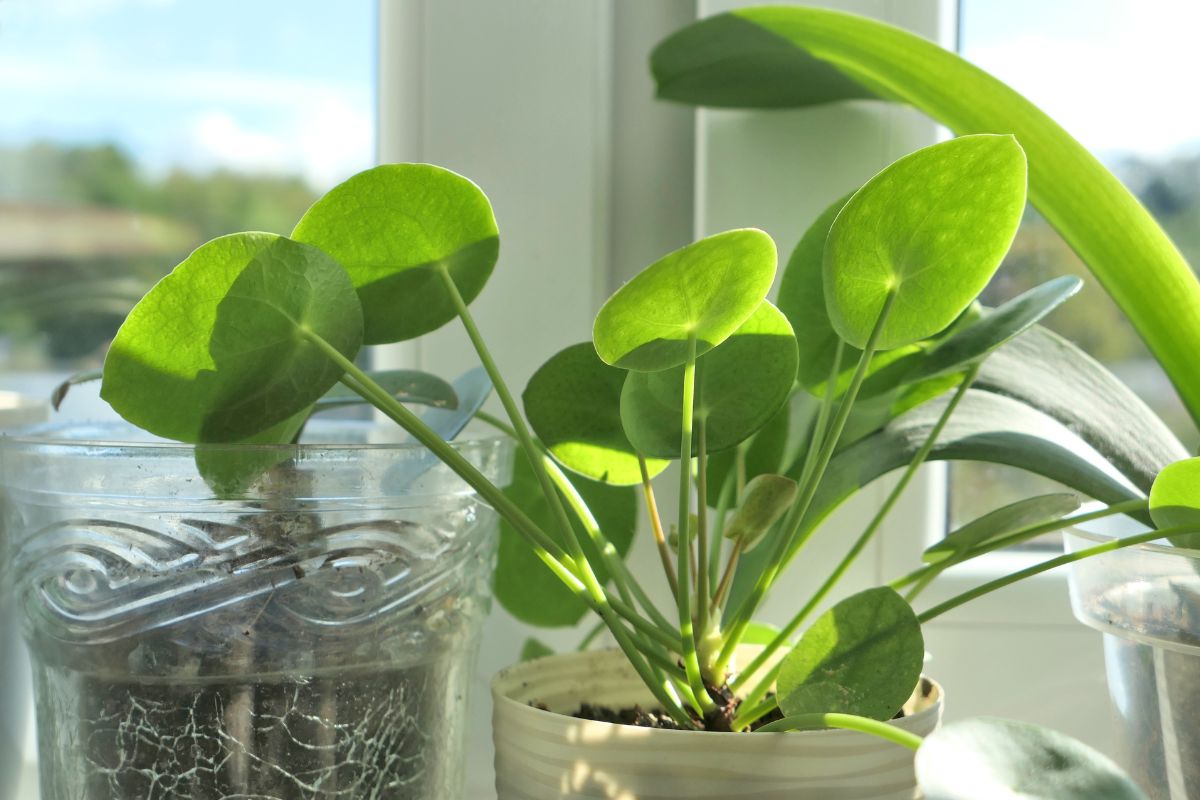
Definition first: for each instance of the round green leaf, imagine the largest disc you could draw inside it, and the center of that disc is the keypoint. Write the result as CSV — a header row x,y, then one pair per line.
x,y
987,757
739,387
525,586
931,228
393,228
705,290
214,352
573,403
863,656
1175,499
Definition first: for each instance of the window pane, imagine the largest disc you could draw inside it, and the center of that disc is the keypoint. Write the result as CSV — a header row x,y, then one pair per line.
x,y
1119,75
134,130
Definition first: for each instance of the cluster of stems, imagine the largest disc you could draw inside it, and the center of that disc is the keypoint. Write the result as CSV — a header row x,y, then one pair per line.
x,y
685,660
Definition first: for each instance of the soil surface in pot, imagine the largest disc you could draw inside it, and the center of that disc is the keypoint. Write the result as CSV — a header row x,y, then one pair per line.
x,y
640,717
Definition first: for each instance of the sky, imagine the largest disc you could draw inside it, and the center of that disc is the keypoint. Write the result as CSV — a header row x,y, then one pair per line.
x,y
289,86
1117,74
283,87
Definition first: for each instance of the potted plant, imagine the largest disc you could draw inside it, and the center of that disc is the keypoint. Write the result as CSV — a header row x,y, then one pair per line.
x,y
689,361
1144,600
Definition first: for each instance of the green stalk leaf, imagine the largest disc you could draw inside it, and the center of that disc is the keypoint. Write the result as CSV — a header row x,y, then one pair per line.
x,y
930,229
523,584
218,350
863,657
705,290
997,524
740,386
406,385
787,57
573,403
987,757
392,227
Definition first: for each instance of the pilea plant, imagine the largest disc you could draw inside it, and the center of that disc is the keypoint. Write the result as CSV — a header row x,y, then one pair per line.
x,y
774,414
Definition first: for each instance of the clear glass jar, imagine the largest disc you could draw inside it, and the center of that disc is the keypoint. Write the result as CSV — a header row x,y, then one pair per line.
x,y
1146,601
310,638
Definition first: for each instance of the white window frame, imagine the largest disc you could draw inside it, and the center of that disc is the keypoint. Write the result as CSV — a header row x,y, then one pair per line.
x,y
549,106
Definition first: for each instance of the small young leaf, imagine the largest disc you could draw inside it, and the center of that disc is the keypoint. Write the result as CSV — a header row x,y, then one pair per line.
x,y
573,403
931,229
987,757
863,656
60,392
217,350
706,290
1175,499
523,584
535,648
740,386
393,227
766,498
995,328
406,385
999,523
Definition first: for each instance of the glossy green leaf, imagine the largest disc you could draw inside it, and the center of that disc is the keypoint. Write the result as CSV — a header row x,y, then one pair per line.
x,y
785,57
573,403
1045,371
999,523
525,586
705,290
987,757
863,656
215,351
765,500
986,427
1175,499
931,229
995,328
406,385
394,228
740,386
535,648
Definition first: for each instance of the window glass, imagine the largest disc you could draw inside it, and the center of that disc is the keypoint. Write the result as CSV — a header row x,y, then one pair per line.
x,y
134,130
1119,76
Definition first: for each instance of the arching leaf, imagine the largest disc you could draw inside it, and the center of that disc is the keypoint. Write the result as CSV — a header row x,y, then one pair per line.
x,y
217,350
406,385
393,228
705,290
573,403
999,523
931,229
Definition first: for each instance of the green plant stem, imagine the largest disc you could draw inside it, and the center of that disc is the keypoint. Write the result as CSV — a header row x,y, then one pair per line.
x,y
1037,569
864,539
544,547
824,416
718,537
848,722
748,714
687,635
784,544
923,575
660,539
702,595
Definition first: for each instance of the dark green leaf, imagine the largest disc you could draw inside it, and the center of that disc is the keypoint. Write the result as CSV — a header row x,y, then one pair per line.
x,y
863,656
931,229
216,351
705,290
573,403
394,228
986,757
739,387
406,385
535,648
525,586
999,523
1045,371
